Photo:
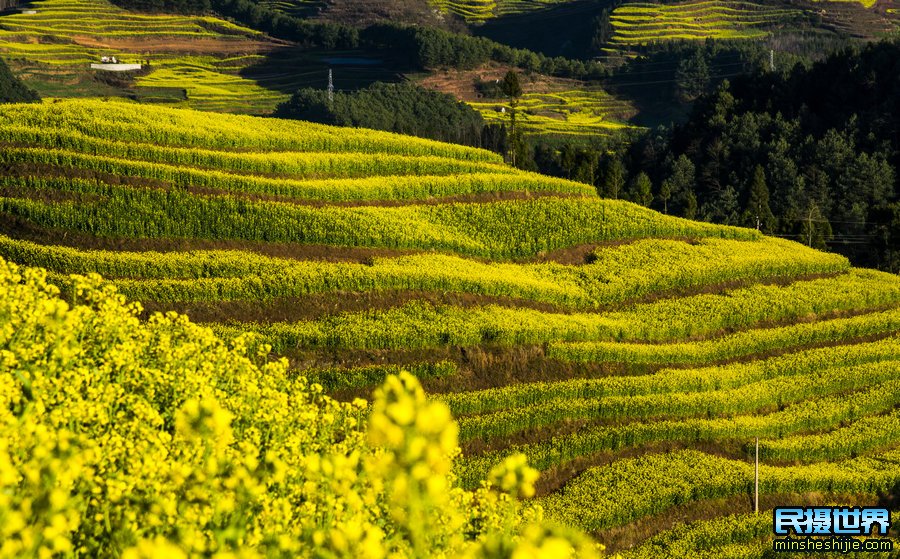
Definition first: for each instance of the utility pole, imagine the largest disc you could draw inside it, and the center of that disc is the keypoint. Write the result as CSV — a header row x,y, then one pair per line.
x,y
756,481
772,60
809,231
330,88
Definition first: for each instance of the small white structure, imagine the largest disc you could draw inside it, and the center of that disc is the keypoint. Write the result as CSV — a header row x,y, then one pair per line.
x,y
111,64
29,12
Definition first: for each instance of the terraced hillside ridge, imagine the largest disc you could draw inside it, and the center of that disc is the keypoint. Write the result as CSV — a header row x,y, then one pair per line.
x,y
296,8
633,357
194,61
481,10
573,112
548,107
637,23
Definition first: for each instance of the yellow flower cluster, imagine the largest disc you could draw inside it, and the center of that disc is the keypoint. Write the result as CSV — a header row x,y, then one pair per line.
x,y
141,440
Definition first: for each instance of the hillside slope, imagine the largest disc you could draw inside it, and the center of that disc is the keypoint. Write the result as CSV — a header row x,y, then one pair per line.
x,y
193,61
616,347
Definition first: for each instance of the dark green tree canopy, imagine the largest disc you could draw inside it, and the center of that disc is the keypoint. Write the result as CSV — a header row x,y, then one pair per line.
x,y
403,107
757,213
12,90
641,191
811,154
511,87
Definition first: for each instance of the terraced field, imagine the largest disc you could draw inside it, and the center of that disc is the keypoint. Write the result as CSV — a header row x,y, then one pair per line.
x,y
296,8
481,10
573,112
637,23
631,356
194,61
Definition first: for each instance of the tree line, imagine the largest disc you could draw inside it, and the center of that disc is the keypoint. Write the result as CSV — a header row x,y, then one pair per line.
x,y
418,47
809,154
404,108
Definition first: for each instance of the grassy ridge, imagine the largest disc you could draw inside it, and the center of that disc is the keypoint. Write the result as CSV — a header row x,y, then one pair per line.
x,y
67,122
424,326
234,275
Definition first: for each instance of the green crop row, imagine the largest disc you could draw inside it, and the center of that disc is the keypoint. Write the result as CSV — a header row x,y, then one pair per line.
x,y
815,414
722,538
292,164
489,230
630,489
737,345
409,187
102,20
129,122
738,536
715,403
867,432
418,325
683,380
232,275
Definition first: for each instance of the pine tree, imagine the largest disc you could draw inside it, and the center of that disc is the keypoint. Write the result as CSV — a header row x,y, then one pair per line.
x,y
690,205
613,179
757,212
692,77
512,89
642,189
679,187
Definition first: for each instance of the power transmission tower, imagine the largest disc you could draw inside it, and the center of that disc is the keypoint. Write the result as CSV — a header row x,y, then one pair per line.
x,y
330,88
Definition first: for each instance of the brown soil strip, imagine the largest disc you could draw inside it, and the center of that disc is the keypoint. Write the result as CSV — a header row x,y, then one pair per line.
x,y
22,229
42,170
474,447
319,305
478,367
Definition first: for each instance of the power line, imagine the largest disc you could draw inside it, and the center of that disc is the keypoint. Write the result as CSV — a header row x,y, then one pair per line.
x,y
675,69
672,81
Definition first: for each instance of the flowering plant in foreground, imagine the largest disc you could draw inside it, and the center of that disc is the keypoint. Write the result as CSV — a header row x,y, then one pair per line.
x,y
127,439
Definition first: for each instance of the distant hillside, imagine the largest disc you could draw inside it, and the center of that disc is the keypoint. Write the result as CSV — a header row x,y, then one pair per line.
x,y
193,60
616,347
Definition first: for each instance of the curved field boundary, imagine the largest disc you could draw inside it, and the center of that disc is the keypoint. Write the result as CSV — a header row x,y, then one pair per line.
x,y
641,23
